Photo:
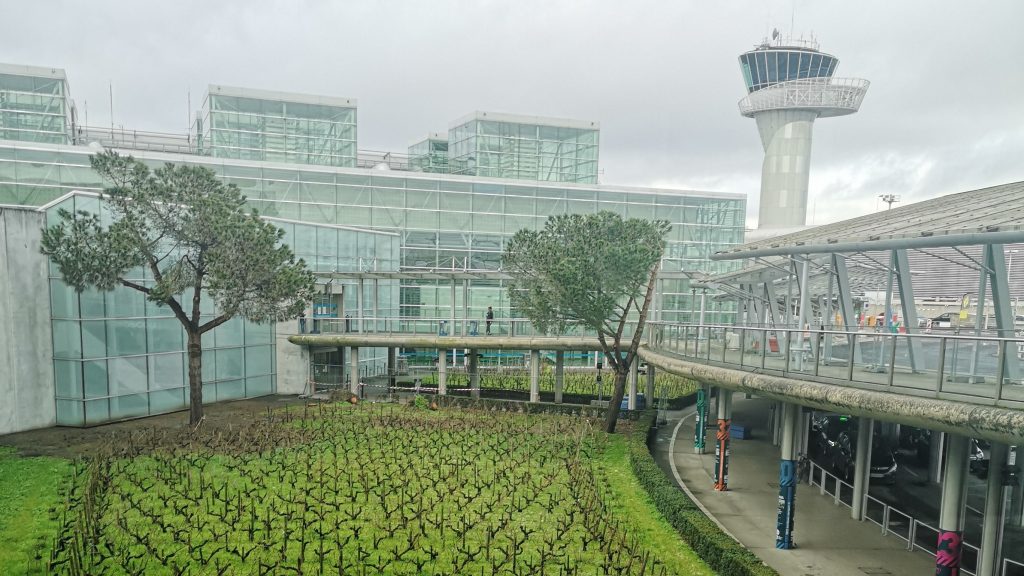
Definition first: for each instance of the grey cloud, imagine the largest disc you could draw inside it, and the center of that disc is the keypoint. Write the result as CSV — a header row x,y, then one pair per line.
x,y
661,77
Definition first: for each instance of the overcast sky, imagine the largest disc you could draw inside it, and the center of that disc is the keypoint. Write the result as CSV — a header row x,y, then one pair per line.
x,y
945,111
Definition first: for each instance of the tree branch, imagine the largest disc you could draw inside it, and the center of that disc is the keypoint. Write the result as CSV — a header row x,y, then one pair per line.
x,y
214,323
134,286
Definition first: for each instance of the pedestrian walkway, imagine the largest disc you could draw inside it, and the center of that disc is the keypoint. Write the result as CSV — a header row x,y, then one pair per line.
x,y
829,542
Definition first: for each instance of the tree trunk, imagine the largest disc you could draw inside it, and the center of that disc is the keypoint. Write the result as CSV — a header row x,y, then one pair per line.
x,y
612,415
195,377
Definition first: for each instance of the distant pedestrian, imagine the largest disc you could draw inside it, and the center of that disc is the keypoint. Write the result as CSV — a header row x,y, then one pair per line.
x,y
489,317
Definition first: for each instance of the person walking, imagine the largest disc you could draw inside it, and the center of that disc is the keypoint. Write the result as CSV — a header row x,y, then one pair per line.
x,y
489,317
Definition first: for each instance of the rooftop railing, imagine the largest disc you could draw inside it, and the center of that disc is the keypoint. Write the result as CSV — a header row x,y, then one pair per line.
x,y
829,96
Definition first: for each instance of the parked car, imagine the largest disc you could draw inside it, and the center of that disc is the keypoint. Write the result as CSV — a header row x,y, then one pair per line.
x,y
835,443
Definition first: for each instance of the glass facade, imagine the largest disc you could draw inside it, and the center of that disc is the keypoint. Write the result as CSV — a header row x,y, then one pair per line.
x,y
256,125
766,67
118,355
500,147
430,155
439,221
34,105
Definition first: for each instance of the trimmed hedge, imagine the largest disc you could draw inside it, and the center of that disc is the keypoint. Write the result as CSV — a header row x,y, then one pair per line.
x,y
723,554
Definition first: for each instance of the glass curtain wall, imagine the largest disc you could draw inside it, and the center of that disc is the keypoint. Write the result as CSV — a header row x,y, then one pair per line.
x,y
279,131
524,151
430,155
117,355
34,108
763,68
440,222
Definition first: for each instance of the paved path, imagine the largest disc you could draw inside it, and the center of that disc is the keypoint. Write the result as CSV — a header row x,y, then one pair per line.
x,y
829,542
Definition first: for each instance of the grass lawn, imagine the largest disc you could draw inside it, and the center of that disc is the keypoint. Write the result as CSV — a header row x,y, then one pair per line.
x,y
629,502
29,488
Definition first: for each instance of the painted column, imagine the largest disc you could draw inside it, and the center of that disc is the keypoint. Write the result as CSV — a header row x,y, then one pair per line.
x,y
353,360
634,375
442,372
722,438
787,478
701,423
947,558
559,375
649,388
777,425
534,376
992,522
862,466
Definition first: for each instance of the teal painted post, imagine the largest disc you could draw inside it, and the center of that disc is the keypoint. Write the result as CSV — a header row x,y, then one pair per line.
x,y
700,426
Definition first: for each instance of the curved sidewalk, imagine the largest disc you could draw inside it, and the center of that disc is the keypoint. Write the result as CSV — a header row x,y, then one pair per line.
x,y
829,542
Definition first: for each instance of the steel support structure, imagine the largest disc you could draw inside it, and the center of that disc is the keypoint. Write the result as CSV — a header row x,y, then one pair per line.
x,y
559,375
442,372
905,285
846,305
862,467
353,359
992,521
534,376
634,375
474,373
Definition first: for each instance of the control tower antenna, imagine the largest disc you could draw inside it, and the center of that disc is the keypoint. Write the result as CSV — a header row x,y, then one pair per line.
x,y
790,84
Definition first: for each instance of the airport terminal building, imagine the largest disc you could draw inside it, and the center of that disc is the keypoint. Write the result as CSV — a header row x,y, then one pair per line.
x,y
449,203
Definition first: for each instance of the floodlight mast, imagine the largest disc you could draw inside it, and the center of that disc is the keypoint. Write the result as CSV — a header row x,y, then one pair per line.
x,y
889,199
789,85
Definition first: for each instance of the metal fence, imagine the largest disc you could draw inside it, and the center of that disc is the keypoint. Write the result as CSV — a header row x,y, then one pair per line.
x,y
916,534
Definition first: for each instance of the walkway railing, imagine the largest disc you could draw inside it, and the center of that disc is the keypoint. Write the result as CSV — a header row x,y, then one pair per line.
x,y
917,534
431,326
985,366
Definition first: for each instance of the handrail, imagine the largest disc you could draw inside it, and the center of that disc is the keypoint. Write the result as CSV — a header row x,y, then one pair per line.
x,y
985,365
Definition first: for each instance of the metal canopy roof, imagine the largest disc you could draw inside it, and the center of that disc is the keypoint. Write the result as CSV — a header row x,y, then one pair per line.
x,y
943,237
993,214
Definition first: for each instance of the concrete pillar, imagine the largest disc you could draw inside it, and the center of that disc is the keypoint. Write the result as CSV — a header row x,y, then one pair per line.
x,y
353,360
777,424
392,368
862,466
442,372
559,375
936,448
947,558
649,389
787,478
992,522
722,446
534,375
634,375
474,374
700,427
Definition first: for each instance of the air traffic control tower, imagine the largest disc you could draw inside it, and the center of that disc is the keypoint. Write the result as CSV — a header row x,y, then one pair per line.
x,y
789,86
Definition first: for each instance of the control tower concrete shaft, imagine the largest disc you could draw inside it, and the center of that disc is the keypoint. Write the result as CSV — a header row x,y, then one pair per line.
x,y
790,85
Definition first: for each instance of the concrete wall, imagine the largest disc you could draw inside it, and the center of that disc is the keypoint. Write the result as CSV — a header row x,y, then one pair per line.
x,y
786,137
26,343
292,360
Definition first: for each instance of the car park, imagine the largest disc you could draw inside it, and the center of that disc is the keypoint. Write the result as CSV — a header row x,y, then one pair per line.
x,y
833,442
